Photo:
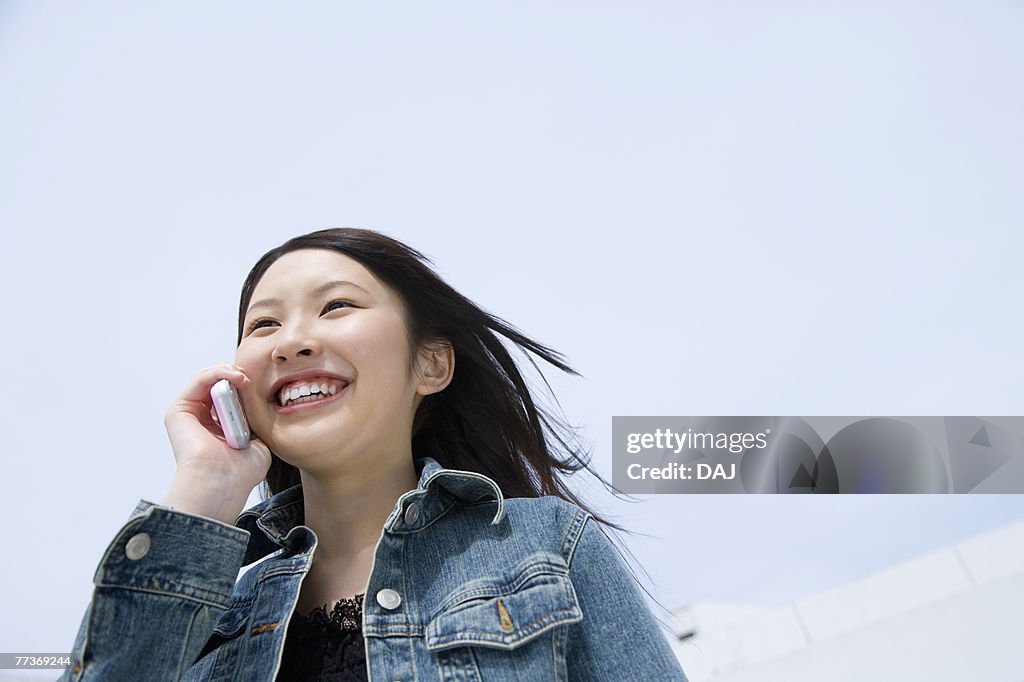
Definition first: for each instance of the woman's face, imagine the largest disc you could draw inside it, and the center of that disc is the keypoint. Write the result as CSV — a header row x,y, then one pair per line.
x,y
326,337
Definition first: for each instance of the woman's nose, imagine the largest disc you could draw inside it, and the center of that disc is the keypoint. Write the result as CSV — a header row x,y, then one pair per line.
x,y
295,345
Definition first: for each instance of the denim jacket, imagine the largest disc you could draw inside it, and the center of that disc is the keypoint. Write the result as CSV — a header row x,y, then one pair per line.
x,y
465,585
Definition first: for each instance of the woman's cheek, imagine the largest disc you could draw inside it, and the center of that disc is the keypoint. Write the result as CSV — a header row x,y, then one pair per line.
x,y
245,357
254,404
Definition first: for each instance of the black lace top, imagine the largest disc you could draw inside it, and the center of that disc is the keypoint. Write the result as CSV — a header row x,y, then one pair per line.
x,y
326,647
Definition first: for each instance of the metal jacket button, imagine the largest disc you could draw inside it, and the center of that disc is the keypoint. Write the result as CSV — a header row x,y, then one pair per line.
x,y
412,512
389,599
137,547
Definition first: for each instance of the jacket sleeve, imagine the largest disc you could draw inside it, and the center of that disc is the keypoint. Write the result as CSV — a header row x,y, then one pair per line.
x,y
618,638
159,590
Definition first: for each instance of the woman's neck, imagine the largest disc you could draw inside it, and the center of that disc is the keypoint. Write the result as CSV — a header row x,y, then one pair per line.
x,y
347,509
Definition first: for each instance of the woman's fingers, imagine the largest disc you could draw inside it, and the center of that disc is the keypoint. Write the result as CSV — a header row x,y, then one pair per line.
x,y
191,421
208,469
262,453
195,399
199,388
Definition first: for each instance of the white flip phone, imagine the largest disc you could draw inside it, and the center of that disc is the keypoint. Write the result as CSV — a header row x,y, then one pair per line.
x,y
230,415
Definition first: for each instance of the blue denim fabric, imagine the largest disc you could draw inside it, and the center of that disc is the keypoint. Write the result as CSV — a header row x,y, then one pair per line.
x,y
488,589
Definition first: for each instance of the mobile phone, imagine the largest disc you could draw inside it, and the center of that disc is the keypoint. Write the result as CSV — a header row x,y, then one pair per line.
x,y
230,415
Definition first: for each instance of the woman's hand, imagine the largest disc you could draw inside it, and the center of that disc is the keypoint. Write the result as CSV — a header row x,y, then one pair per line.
x,y
212,479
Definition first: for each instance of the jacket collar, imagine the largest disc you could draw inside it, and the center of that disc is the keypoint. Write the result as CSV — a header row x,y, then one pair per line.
x,y
269,523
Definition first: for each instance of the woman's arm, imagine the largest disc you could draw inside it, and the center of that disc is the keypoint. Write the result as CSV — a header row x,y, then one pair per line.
x,y
169,573
161,586
618,638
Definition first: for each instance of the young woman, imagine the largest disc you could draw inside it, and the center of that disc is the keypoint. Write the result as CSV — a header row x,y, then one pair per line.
x,y
416,525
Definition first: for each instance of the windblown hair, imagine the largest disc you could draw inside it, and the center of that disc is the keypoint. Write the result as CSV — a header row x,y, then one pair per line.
x,y
486,420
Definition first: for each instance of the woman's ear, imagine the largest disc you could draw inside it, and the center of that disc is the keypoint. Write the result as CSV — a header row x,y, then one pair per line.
x,y
436,367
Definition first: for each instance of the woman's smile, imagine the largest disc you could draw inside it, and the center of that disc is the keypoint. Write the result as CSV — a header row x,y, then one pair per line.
x,y
310,400
310,383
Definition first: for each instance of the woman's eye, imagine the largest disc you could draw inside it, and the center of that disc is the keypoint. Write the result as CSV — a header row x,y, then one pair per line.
x,y
263,322
331,306
258,324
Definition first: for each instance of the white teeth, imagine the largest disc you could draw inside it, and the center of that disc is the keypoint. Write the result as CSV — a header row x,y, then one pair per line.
x,y
304,393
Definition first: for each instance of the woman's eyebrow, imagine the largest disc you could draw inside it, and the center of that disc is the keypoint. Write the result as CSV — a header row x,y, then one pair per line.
x,y
316,293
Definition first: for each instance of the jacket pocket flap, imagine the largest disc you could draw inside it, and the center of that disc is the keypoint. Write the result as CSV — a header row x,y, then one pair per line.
x,y
504,618
233,620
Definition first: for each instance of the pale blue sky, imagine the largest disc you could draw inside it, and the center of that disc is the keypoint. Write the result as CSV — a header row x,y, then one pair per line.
x,y
781,208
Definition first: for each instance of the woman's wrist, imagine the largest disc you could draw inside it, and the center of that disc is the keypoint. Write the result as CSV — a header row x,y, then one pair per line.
x,y
204,495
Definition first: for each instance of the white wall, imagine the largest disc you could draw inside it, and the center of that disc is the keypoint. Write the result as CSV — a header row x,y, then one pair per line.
x,y
949,615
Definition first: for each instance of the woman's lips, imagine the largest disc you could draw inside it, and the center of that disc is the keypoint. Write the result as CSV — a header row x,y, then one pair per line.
x,y
311,405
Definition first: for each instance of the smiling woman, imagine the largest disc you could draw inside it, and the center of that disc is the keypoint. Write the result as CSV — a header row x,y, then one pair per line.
x,y
322,317
415,524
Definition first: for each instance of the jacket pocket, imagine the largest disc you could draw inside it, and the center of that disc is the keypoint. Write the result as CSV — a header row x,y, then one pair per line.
x,y
505,616
230,625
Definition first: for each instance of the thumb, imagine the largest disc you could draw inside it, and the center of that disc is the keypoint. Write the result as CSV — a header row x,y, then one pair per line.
x,y
260,450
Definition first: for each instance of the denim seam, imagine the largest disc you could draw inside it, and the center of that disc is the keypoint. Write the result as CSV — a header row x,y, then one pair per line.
x,y
573,534
183,662
532,571
407,590
394,630
146,509
277,571
559,637
523,634
164,593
